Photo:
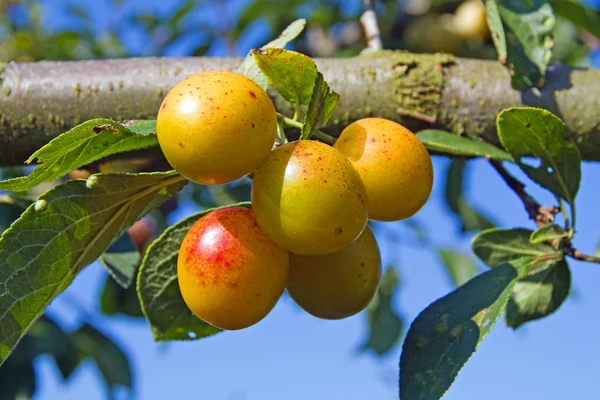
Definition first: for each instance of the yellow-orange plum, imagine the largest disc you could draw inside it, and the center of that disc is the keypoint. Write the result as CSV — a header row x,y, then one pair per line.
x,y
230,273
393,164
309,199
470,20
338,285
216,126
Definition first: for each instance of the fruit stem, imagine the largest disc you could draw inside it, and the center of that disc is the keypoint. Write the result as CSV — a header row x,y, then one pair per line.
x,y
317,133
297,111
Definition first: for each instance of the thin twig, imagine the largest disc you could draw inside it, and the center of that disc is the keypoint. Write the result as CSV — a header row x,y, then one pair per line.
x,y
541,215
371,27
570,251
317,133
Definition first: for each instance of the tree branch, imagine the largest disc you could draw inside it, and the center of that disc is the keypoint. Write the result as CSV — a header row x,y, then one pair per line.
x,y
38,101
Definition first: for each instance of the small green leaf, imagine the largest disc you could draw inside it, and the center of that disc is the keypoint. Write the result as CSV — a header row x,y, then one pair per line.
x,y
584,17
470,218
290,33
536,132
496,29
522,35
385,325
322,104
539,295
114,299
249,67
121,260
110,359
450,143
547,233
158,288
443,337
498,246
292,74
68,228
82,145
461,267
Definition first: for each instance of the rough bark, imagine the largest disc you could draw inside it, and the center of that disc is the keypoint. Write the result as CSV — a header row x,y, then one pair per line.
x,y
38,101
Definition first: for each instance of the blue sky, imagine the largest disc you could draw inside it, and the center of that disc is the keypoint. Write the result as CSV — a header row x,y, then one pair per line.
x,y
291,355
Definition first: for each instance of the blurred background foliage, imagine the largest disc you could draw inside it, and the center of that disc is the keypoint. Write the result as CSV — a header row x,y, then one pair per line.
x,y
72,30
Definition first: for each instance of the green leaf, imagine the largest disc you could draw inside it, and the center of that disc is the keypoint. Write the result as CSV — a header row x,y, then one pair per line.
x,y
249,67
385,325
182,12
46,337
547,233
9,212
443,337
578,14
290,33
121,260
498,246
82,145
536,132
292,74
158,288
111,360
115,299
522,35
539,295
470,218
450,143
68,228
323,103
496,28
461,267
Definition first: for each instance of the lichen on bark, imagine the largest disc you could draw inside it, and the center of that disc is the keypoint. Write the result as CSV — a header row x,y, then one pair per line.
x,y
418,81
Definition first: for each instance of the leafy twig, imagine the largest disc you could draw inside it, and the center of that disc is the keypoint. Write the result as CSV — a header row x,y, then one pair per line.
x,y
371,27
541,215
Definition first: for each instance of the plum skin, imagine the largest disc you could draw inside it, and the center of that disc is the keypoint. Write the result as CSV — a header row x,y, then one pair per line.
x,y
216,126
393,164
309,199
230,273
337,285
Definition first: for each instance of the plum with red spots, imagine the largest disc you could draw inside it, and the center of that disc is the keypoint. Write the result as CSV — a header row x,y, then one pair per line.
x,y
216,126
393,164
337,285
230,273
309,198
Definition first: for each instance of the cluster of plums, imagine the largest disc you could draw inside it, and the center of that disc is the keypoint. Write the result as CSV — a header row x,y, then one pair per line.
x,y
307,229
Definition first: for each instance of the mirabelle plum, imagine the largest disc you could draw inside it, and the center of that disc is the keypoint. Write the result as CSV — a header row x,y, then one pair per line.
x,y
470,20
216,126
309,199
393,164
230,273
337,285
